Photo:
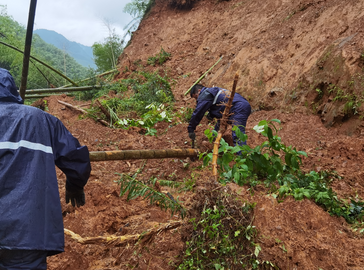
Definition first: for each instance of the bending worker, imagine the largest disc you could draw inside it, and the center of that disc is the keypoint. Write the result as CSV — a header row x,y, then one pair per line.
x,y
32,142
213,100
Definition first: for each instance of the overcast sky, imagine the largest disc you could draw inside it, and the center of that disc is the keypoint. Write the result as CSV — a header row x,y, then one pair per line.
x,y
82,21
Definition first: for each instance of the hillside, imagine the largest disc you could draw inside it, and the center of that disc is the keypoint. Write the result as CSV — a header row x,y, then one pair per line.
x,y
300,62
81,53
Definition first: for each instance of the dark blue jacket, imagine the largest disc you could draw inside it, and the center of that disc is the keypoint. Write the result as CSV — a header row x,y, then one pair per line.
x,y
207,101
32,142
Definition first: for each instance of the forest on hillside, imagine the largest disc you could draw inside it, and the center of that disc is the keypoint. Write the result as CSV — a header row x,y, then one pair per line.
x,y
13,34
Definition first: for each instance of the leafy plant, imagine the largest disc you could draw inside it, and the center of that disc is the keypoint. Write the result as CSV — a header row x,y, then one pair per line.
x,y
263,161
223,237
134,189
149,119
160,58
274,163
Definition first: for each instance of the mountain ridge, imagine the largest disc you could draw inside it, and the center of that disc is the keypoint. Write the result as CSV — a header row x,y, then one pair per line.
x,y
81,53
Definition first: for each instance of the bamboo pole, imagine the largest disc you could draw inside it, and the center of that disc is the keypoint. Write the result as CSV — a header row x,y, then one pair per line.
x,y
40,61
203,76
223,126
98,75
62,90
27,48
41,96
143,154
113,240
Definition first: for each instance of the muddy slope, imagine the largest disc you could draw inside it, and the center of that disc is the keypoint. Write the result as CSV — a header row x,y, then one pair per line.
x,y
283,50
298,61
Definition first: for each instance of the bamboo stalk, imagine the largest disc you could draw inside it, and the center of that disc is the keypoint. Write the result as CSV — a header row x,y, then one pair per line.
x,y
98,75
142,154
203,76
27,48
120,240
62,90
223,126
41,96
40,61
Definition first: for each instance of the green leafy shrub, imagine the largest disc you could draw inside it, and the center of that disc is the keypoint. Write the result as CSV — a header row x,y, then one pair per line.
x,y
160,58
148,120
276,164
223,237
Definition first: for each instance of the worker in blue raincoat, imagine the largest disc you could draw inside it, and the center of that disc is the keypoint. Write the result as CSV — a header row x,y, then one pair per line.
x,y
32,142
214,100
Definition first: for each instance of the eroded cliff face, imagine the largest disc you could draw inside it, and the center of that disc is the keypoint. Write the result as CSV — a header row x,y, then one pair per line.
x,y
284,51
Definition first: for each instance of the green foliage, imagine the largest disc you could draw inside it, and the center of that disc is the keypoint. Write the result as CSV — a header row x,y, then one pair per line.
x,y
223,237
274,163
107,52
315,186
137,9
160,58
134,189
148,120
184,114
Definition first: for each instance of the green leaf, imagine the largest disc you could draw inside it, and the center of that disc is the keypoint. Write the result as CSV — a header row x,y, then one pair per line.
x,y
257,250
288,158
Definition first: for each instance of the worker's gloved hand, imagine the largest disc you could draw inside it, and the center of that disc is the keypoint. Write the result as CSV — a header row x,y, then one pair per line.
x,y
192,135
209,117
75,195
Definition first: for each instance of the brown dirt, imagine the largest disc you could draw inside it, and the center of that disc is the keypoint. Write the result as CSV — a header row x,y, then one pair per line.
x,y
284,51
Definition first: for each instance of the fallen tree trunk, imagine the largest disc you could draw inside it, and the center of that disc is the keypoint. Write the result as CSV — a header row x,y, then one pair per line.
x,y
142,154
120,240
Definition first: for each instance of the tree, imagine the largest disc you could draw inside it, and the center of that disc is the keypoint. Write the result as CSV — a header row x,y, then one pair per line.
x,y
106,53
137,9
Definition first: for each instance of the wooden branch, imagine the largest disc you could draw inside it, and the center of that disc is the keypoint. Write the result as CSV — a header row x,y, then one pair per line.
x,y
223,126
73,107
81,111
113,240
102,108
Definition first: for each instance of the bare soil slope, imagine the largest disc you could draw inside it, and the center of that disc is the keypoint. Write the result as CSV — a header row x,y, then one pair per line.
x,y
290,56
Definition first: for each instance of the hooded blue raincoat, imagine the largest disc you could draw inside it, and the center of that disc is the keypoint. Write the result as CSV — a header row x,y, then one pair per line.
x,y
213,100
32,142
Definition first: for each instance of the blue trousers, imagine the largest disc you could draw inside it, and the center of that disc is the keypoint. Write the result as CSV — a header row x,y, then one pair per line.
x,y
236,121
23,259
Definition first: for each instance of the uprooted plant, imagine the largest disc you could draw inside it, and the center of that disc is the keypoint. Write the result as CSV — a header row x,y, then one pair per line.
x,y
278,167
221,233
143,96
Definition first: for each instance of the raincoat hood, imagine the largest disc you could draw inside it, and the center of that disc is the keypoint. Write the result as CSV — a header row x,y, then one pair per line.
x,y
8,90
